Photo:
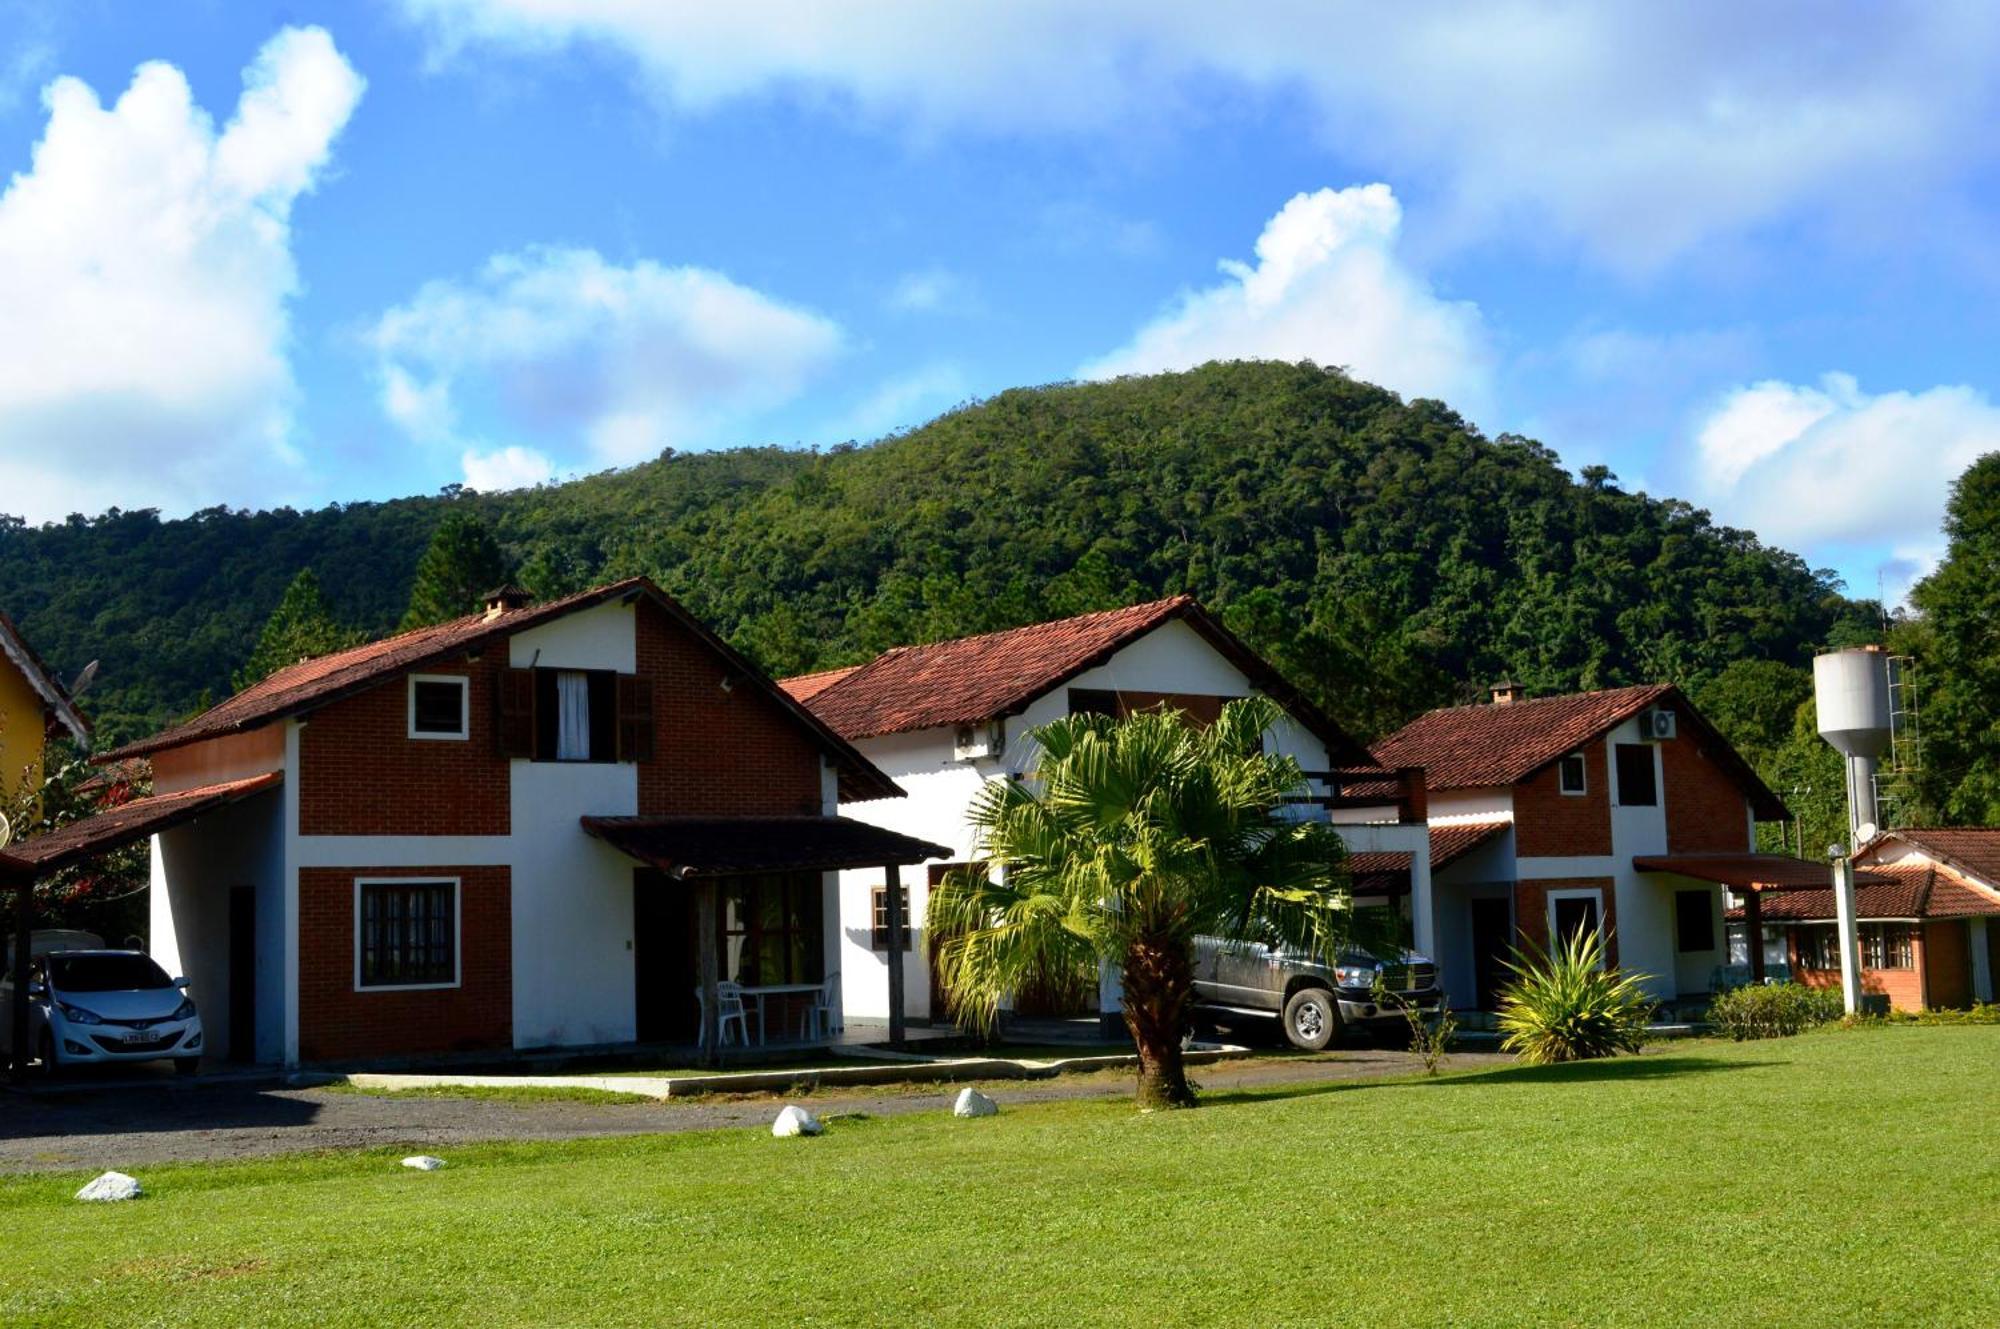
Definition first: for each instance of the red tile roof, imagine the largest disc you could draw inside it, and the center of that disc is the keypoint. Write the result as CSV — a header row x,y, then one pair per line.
x,y
1451,843
125,824
1894,891
14,647
326,678
1742,871
804,687
974,679
1973,850
1474,747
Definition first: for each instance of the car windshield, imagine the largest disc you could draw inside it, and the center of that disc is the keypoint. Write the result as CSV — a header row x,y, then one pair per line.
x,y
106,973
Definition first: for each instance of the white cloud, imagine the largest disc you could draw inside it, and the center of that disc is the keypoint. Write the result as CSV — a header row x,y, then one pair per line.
x,y
593,360
1640,128
1830,467
1327,286
147,265
513,467
930,291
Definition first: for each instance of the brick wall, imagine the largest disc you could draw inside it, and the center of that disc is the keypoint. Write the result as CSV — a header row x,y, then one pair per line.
x,y
716,752
1706,810
1947,964
1531,909
337,1022
360,773
1551,824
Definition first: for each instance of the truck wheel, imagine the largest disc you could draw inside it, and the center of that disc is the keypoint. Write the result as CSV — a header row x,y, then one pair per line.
x,y
1312,1021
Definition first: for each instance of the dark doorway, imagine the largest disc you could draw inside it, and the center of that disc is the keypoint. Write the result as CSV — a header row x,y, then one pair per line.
x,y
243,973
1574,914
1492,942
663,960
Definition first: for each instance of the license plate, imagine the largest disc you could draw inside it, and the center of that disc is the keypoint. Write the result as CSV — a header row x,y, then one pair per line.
x,y
138,1038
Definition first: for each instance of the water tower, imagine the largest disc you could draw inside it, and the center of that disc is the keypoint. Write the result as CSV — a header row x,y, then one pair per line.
x,y
1851,696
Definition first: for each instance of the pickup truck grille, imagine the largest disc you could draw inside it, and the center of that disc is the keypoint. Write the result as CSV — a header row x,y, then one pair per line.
x,y
1411,978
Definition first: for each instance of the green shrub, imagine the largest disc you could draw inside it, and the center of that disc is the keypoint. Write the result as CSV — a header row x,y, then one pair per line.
x,y
1566,1007
1981,1013
1773,1010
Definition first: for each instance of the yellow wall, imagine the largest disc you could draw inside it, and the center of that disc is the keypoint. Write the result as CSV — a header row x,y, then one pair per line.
x,y
22,723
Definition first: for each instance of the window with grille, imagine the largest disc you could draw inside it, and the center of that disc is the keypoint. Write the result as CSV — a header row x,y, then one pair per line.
x,y
407,934
880,899
1886,946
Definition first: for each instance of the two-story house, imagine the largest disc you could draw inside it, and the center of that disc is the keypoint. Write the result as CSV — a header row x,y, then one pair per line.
x,y
538,825
945,718
33,705
1597,809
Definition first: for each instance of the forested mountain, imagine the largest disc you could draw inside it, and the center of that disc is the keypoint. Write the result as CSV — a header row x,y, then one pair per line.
x,y
1386,554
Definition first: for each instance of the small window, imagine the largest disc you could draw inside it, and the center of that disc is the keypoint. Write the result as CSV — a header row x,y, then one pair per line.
x,y
1694,920
1636,786
1571,914
406,934
439,706
1887,946
1571,774
576,715
879,901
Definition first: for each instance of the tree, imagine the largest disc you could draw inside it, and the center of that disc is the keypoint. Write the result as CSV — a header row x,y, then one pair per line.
x,y
1129,839
463,562
1960,603
301,627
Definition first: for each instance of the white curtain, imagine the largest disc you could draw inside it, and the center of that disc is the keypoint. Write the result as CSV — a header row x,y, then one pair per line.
x,y
572,716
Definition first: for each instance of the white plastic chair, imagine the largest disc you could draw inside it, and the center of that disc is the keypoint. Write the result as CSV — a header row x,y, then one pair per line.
x,y
821,1019
728,1008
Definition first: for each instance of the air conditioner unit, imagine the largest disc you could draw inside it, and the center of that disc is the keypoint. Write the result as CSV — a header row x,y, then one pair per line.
x,y
979,742
1657,725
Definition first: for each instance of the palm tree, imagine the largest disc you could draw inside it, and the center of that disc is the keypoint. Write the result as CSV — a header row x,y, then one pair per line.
x,y
1128,840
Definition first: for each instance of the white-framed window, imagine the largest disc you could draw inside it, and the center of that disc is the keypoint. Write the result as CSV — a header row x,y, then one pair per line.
x,y
1573,775
1574,908
440,706
406,933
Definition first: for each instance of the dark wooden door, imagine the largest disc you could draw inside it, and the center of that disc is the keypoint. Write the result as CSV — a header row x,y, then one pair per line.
x,y
663,960
243,973
1492,942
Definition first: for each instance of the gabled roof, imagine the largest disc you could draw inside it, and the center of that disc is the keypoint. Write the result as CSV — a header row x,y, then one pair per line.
x,y
1971,850
1476,747
973,679
327,678
1454,841
804,687
14,648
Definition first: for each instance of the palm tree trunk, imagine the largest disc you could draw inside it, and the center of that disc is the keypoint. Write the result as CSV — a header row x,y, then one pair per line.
x,y
1159,983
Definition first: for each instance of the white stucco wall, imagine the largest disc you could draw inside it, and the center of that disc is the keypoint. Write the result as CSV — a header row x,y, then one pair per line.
x,y
194,869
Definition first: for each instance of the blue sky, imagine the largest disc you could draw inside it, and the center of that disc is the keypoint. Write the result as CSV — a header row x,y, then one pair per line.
x,y
259,254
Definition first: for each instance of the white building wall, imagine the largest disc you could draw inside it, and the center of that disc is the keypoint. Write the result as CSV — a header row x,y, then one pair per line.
x,y
1487,873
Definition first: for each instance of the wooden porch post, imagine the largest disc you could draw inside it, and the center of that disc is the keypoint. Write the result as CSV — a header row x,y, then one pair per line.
x,y
705,967
1753,927
24,936
893,907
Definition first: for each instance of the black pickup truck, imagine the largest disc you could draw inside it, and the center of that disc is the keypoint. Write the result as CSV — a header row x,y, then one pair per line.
x,y
1316,1001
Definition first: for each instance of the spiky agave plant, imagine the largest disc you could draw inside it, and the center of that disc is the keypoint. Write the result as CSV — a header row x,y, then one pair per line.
x,y
1564,1005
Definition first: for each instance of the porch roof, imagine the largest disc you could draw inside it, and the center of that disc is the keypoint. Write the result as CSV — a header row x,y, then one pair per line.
x,y
735,846
1750,872
125,824
1380,872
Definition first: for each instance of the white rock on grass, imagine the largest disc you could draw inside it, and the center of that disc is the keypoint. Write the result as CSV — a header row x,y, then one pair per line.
x,y
111,1186
972,1103
795,1121
423,1162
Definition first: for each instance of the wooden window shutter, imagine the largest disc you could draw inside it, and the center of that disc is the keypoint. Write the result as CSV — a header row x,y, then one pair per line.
x,y
635,717
517,713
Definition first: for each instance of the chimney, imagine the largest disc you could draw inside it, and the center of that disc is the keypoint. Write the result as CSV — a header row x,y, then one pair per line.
x,y
1506,692
505,600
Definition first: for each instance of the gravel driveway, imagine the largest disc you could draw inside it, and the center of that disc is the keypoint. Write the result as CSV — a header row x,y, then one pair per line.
x,y
90,1126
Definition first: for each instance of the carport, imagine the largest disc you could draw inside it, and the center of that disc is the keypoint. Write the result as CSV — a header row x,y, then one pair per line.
x,y
41,856
1750,875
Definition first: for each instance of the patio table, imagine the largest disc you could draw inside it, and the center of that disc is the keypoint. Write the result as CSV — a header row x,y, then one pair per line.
x,y
774,990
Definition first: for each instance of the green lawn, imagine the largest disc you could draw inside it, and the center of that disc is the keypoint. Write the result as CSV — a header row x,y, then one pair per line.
x,y
1836,1178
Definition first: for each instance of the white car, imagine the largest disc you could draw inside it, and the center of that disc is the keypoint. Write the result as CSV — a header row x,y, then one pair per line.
x,y
89,1008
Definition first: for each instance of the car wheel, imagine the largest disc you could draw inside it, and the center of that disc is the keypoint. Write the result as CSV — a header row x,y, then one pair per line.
x,y
187,1065
1312,1021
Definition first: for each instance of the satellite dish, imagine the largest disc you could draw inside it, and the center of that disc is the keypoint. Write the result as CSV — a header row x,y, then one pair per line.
x,y
6,831
1865,832
84,678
